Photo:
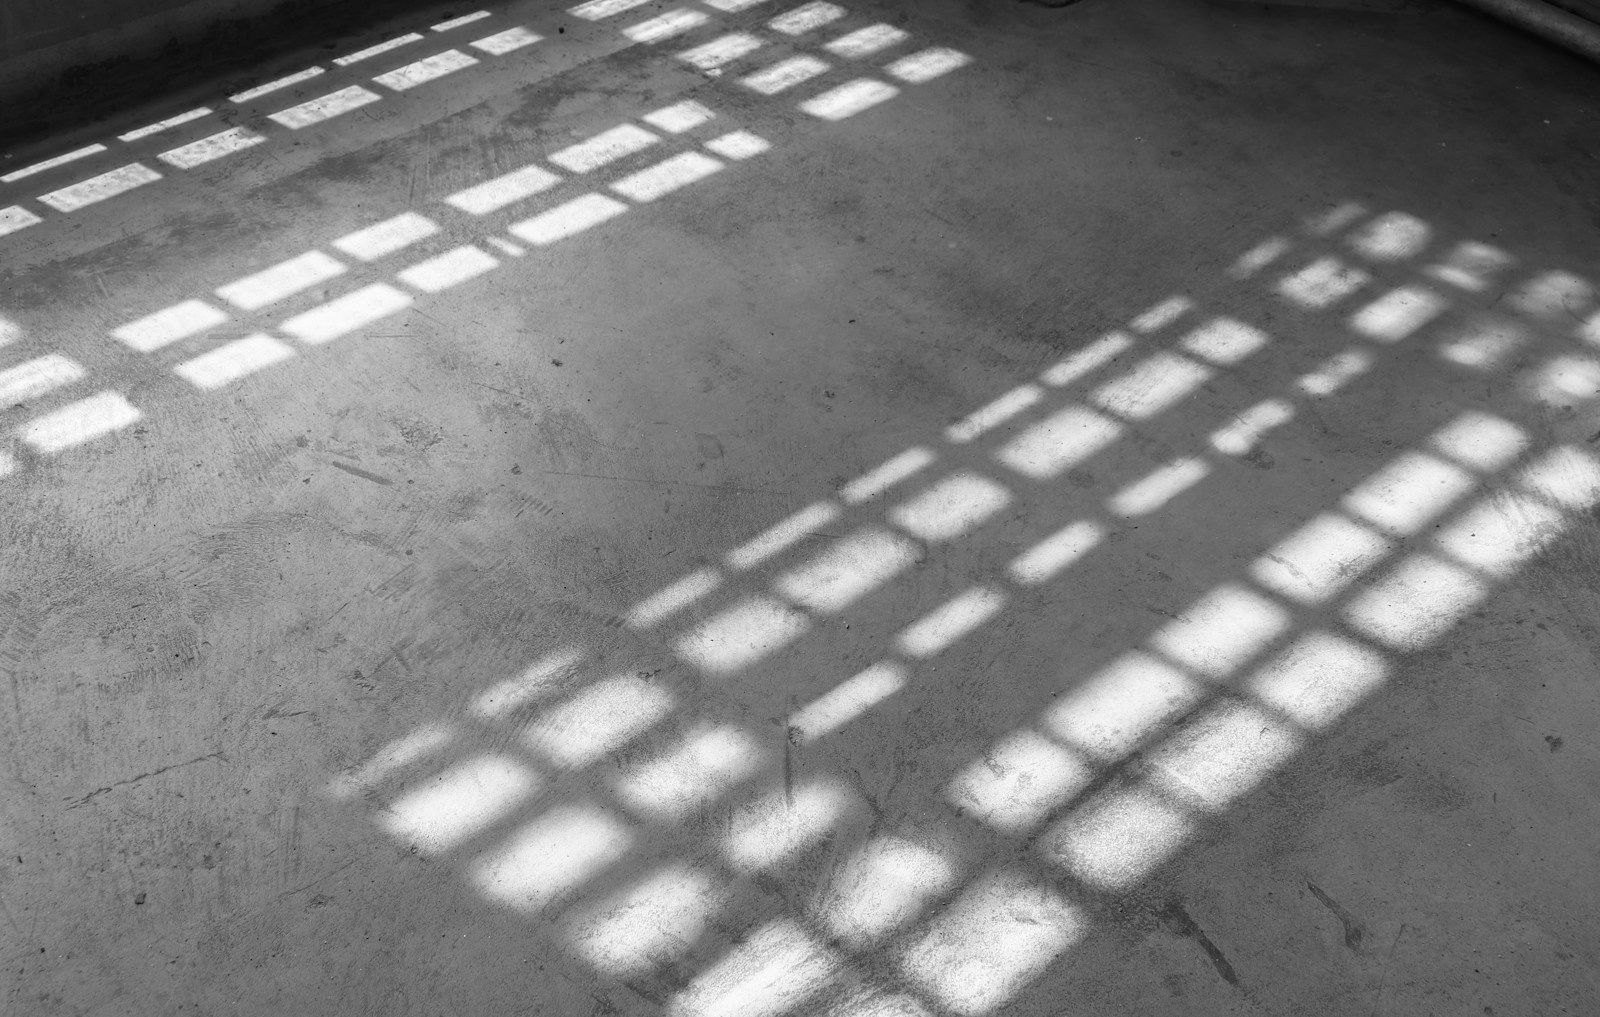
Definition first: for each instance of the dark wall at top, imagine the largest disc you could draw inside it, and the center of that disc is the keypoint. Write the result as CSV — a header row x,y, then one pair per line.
x,y
66,64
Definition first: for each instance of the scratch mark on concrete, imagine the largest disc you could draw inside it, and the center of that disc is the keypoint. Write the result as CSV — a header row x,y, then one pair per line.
x,y
501,391
144,776
319,879
357,471
1353,932
1184,925
1384,979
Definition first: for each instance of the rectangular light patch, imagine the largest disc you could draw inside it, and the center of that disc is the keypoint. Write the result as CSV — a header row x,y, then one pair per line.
x,y
806,18
690,775
666,176
603,148
848,570
281,280
465,19
1117,839
568,220
1064,439
425,70
1224,753
667,25
951,507
1321,558
783,535
880,889
664,604
60,160
509,41
1335,372
1480,441
773,971
1224,341
1323,282
449,269
867,41
451,806
37,377
382,47
1124,703
1158,487
928,64
876,481
950,622
848,99
1319,679
1416,603
217,146
95,189
1162,315
599,719
1088,360
387,237
1046,559
848,700
1249,426
491,195
721,51
1398,313
745,633
538,680
157,128
1151,386
554,854
993,415
596,10
324,108
14,218
274,86
1259,257
785,74
347,313
167,326
1018,781
80,422
1218,633
738,145
228,363
679,117
1409,492
991,942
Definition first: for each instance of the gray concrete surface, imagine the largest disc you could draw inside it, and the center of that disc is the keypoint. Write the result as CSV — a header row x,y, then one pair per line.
x,y
518,618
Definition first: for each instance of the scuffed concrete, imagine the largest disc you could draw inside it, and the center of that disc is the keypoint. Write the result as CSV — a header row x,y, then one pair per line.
x,y
261,753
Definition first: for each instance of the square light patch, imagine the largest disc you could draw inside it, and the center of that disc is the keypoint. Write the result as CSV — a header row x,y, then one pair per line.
x,y
951,507
747,632
999,935
553,855
598,720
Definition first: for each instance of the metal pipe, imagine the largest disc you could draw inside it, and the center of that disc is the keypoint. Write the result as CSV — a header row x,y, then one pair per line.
x,y
1579,35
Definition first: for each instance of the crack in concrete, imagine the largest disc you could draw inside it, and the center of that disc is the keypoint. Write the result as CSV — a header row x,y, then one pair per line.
x,y
143,776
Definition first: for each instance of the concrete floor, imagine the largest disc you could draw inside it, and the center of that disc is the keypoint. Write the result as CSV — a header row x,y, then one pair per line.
x,y
540,631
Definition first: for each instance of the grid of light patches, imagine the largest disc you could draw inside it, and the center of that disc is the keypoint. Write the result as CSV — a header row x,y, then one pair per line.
x,y
713,56
362,303
637,815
